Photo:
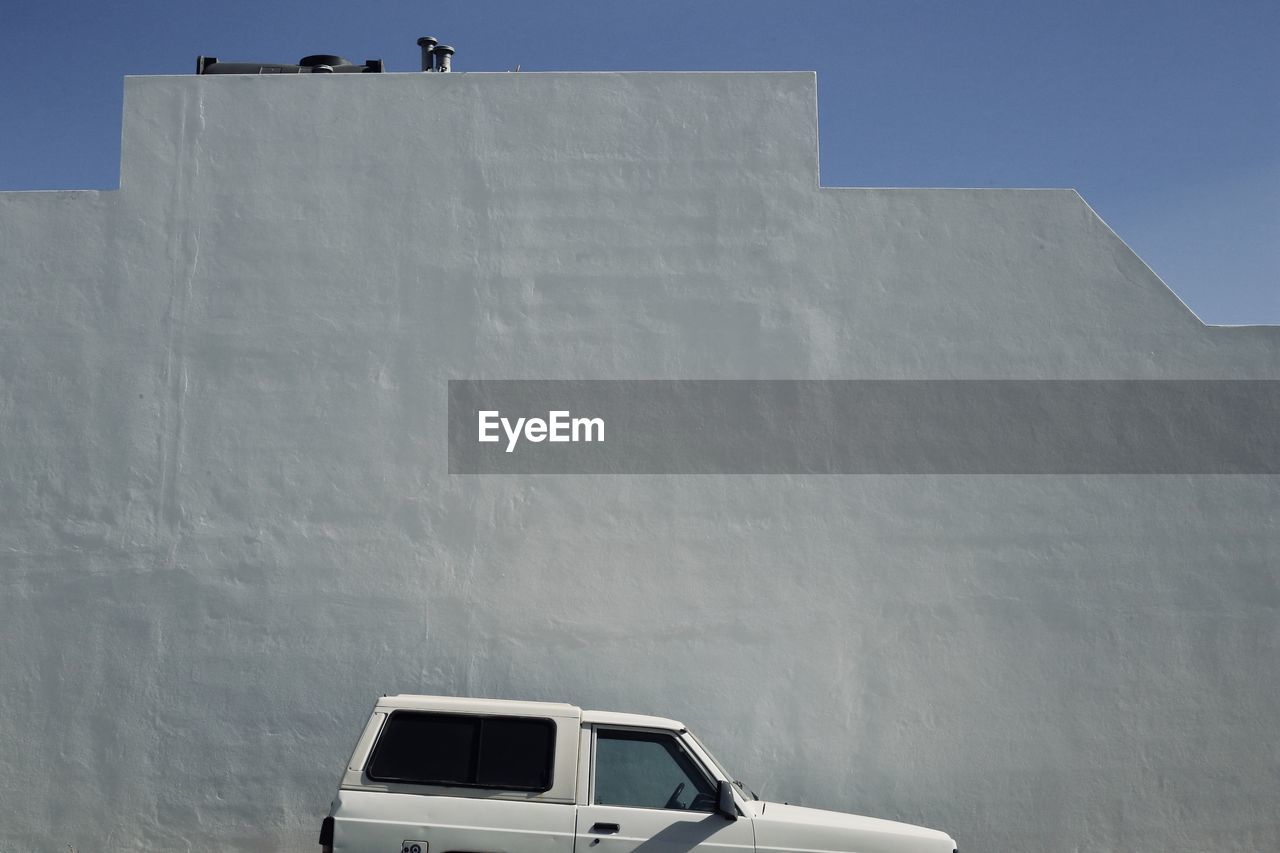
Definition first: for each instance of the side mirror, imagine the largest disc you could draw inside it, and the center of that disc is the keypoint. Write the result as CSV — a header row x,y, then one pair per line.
x,y
724,801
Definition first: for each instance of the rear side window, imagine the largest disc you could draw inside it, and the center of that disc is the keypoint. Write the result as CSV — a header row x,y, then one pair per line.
x,y
421,748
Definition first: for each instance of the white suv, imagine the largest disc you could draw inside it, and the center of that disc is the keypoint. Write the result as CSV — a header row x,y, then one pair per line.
x,y
438,774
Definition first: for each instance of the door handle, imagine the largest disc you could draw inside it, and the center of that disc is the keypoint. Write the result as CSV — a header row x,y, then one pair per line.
x,y
605,828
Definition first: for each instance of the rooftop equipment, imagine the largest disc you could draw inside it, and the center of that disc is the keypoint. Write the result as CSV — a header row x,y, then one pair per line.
x,y
428,45
436,56
319,63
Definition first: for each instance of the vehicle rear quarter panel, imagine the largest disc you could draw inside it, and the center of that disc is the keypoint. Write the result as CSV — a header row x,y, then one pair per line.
x,y
377,822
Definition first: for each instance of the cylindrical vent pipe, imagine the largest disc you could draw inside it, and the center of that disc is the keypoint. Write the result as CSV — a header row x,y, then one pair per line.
x,y
444,57
428,45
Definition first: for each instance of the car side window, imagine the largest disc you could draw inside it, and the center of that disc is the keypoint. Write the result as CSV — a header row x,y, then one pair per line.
x,y
462,750
649,770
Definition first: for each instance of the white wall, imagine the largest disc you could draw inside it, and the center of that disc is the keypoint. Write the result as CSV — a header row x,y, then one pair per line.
x,y
226,521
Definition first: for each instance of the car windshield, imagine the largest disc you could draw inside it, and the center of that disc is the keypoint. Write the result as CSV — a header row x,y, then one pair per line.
x,y
746,792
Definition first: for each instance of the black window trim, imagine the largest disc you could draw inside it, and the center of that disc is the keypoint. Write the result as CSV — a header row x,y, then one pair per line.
x,y
475,760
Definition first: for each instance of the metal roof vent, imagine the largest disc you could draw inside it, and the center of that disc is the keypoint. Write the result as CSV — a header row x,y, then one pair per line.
x,y
319,63
435,56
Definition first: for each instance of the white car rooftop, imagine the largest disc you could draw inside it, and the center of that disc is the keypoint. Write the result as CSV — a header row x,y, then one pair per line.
x,y
458,704
613,718
410,701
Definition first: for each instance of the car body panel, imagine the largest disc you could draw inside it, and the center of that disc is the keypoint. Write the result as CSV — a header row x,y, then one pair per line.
x,y
379,821
781,827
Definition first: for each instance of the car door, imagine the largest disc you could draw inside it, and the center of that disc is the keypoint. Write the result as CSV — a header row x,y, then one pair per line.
x,y
648,793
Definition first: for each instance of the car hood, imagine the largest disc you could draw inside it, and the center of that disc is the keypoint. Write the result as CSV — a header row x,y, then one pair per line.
x,y
784,827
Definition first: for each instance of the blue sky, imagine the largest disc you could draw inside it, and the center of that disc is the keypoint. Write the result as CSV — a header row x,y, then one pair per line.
x,y
1164,115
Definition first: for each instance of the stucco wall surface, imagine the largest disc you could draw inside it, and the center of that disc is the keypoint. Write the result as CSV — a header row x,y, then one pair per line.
x,y
227,522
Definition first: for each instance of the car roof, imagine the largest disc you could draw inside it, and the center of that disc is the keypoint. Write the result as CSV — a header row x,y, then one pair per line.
x,y
462,704
613,718
465,705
